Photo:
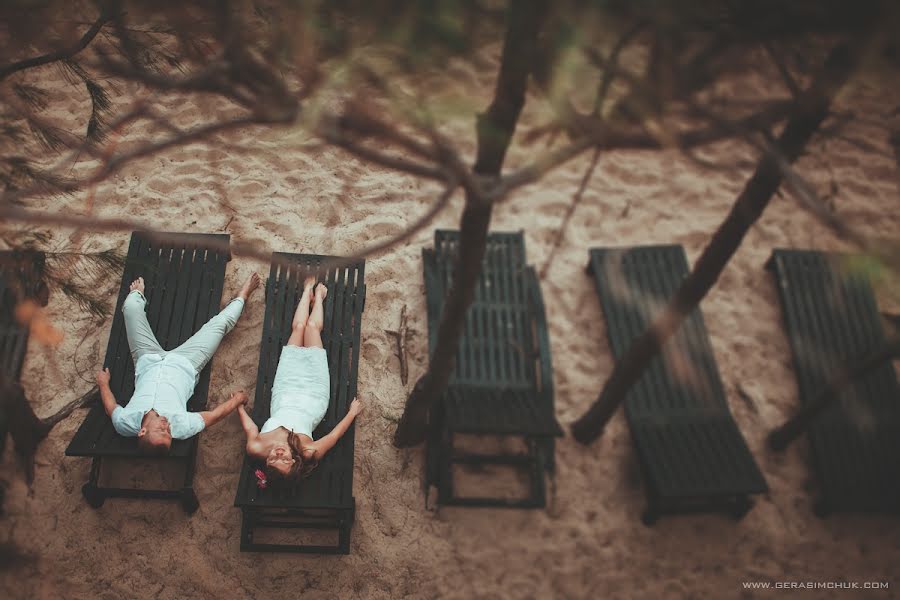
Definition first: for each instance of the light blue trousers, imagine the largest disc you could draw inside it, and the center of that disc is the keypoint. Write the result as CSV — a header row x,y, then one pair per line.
x,y
198,349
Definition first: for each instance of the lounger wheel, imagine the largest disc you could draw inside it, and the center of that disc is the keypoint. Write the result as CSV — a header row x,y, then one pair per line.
x,y
741,507
650,517
821,508
92,495
189,501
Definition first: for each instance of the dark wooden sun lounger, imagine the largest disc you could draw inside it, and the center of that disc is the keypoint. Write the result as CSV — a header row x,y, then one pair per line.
x,y
20,274
832,321
184,284
692,455
502,383
324,500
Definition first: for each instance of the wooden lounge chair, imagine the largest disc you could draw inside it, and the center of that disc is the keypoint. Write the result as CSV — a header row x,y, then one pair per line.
x,y
692,455
184,284
324,500
832,321
502,383
20,273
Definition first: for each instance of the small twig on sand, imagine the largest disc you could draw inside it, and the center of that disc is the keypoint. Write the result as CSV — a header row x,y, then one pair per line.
x,y
400,334
576,199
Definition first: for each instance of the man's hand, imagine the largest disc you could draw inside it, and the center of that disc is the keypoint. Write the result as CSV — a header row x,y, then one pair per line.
x,y
239,398
103,378
355,407
106,395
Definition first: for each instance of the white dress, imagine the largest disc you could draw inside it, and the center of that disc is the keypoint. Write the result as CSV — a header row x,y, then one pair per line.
x,y
300,391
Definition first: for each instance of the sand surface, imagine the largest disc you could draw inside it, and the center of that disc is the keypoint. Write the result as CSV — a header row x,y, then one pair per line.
x,y
280,190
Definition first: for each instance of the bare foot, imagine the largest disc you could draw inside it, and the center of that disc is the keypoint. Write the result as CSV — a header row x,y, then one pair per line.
x,y
249,286
321,292
137,284
309,282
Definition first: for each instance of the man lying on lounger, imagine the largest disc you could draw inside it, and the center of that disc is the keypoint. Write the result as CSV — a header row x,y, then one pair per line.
x,y
165,379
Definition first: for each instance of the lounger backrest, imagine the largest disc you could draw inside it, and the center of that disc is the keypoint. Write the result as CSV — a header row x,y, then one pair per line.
x,y
332,482
634,286
184,285
498,348
184,282
833,321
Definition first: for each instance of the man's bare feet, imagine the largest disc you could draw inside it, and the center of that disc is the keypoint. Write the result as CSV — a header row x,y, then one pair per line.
x,y
137,284
249,286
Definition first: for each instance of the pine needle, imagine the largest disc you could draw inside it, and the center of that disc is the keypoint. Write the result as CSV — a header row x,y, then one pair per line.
x,y
48,136
33,96
100,103
81,276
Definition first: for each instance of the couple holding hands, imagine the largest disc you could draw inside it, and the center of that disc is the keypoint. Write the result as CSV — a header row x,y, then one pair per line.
x,y
165,380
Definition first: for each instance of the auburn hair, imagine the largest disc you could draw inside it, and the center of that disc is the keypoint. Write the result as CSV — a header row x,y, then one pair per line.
x,y
303,464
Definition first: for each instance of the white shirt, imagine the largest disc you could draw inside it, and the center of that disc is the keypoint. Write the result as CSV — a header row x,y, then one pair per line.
x,y
163,383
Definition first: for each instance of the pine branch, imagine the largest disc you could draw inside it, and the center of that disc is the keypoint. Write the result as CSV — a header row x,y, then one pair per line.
x,y
80,276
63,54
17,172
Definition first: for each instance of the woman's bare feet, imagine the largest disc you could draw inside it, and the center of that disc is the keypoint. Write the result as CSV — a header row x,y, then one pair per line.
x,y
302,313
137,284
321,292
249,286
316,319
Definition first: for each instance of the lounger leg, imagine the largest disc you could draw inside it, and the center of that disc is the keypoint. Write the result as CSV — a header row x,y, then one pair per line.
x,y
650,516
741,507
821,508
445,467
345,521
91,492
538,485
246,530
189,501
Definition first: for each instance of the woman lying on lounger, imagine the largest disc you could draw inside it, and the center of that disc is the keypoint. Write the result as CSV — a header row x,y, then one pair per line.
x,y
300,396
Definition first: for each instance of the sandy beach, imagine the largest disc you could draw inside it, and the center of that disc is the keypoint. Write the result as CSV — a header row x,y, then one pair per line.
x,y
282,191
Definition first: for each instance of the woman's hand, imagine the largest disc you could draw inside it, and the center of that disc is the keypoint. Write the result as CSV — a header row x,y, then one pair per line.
x,y
103,378
355,407
239,398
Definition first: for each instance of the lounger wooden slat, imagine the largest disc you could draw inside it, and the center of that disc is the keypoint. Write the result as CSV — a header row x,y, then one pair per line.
x,y
692,455
324,500
184,285
832,321
495,387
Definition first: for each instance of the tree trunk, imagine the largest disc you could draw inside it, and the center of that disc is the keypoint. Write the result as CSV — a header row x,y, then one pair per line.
x,y
781,437
811,110
494,130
